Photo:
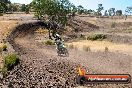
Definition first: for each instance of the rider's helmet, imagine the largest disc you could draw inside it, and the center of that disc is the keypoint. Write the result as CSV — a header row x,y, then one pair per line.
x,y
57,35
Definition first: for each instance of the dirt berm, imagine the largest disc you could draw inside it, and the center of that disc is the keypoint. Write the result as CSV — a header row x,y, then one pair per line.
x,y
37,69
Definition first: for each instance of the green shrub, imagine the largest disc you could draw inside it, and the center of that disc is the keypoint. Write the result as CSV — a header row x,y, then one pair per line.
x,y
1,14
4,47
10,61
49,42
1,50
82,37
113,25
96,37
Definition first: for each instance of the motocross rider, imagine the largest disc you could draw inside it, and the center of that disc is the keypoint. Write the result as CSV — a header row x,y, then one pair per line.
x,y
58,41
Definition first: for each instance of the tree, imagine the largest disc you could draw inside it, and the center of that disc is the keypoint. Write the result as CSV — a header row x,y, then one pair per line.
x,y
100,8
3,5
15,7
85,11
80,9
73,12
9,7
119,12
105,13
27,9
53,11
23,8
111,11
5,1
89,11
128,10
73,8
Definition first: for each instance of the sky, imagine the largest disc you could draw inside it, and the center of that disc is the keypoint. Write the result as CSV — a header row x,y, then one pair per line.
x,y
93,4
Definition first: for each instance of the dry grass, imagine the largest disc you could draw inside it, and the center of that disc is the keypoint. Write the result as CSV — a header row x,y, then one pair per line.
x,y
92,21
103,45
86,48
107,22
75,47
6,27
66,45
95,37
42,31
49,42
1,45
106,49
71,46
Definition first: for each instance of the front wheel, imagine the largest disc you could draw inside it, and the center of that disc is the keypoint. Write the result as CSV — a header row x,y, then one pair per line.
x,y
66,52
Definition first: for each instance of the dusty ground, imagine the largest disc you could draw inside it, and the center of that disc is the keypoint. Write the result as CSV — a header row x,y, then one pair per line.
x,y
40,66
37,56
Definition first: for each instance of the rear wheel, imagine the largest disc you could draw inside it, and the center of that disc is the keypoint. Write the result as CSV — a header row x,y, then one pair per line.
x,y
62,51
59,52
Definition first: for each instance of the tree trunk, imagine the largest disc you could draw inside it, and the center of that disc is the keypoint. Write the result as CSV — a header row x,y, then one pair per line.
x,y
49,34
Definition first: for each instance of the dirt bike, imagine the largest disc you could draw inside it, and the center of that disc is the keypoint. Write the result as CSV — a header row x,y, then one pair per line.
x,y
62,50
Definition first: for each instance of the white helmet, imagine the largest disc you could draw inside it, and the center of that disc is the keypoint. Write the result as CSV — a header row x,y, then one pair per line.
x,y
57,35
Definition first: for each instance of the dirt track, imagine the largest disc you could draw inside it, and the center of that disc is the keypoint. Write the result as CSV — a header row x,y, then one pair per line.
x,y
100,62
38,60
104,62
